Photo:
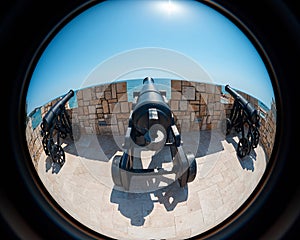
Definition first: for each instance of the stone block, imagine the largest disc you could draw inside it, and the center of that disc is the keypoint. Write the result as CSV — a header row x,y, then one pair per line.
x,y
188,93
176,95
203,98
91,109
187,83
121,87
114,107
210,88
113,100
183,106
85,111
79,95
113,91
122,97
203,110
195,107
105,106
107,95
174,105
201,87
87,94
80,102
176,85
124,107
99,95
92,116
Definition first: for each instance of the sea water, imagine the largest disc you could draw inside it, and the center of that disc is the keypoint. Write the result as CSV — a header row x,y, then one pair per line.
x,y
135,85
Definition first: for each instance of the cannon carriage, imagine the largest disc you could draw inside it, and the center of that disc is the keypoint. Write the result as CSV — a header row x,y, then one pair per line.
x,y
245,119
56,125
152,129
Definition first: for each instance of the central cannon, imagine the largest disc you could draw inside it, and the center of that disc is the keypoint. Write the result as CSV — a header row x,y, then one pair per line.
x,y
151,130
151,118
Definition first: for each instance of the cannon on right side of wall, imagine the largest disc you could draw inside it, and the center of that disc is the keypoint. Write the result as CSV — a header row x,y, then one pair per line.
x,y
245,119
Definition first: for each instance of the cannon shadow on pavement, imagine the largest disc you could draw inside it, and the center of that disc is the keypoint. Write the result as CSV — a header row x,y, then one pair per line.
x,y
136,206
52,165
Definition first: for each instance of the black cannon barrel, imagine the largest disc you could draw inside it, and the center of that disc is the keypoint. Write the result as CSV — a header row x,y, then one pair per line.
x,y
56,110
250,111
151,108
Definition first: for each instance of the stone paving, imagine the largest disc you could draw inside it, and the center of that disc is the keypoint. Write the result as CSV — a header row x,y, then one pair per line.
x,y
83,186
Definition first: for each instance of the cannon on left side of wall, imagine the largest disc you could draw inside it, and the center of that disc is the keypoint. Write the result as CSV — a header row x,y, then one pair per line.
x,y
56,124
152,140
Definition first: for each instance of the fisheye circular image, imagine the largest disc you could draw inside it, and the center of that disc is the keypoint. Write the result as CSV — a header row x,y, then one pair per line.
x,y
151,119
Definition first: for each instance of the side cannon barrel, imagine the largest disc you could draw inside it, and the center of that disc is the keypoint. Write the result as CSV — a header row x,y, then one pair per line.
x,y
151,129
56,123
55,111
250,111
243,117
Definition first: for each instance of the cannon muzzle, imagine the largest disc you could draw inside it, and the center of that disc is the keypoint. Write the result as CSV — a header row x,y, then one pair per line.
x,y
250,111
151,117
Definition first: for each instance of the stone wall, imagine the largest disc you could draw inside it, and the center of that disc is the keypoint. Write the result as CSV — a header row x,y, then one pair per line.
x,y
196,106
268,130
34,142
105,110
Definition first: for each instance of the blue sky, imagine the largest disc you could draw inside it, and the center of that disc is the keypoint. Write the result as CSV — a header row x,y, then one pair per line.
x,y
133,39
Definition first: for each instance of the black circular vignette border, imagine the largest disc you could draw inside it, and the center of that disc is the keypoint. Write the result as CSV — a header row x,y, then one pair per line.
x,y
25,26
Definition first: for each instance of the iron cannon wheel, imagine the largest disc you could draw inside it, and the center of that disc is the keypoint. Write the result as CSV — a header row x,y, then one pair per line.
x,y
115,171
192,170
45,145
57,154
256,136
250,137
181,182
243,147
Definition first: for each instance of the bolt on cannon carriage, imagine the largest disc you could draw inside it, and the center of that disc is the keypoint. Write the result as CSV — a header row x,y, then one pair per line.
x,y
243,115
152,129
56,123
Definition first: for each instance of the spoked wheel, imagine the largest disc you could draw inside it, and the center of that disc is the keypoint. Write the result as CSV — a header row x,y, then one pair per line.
x,y
192,170
58,154
45,145
190,173
243,147
256,136
250,138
